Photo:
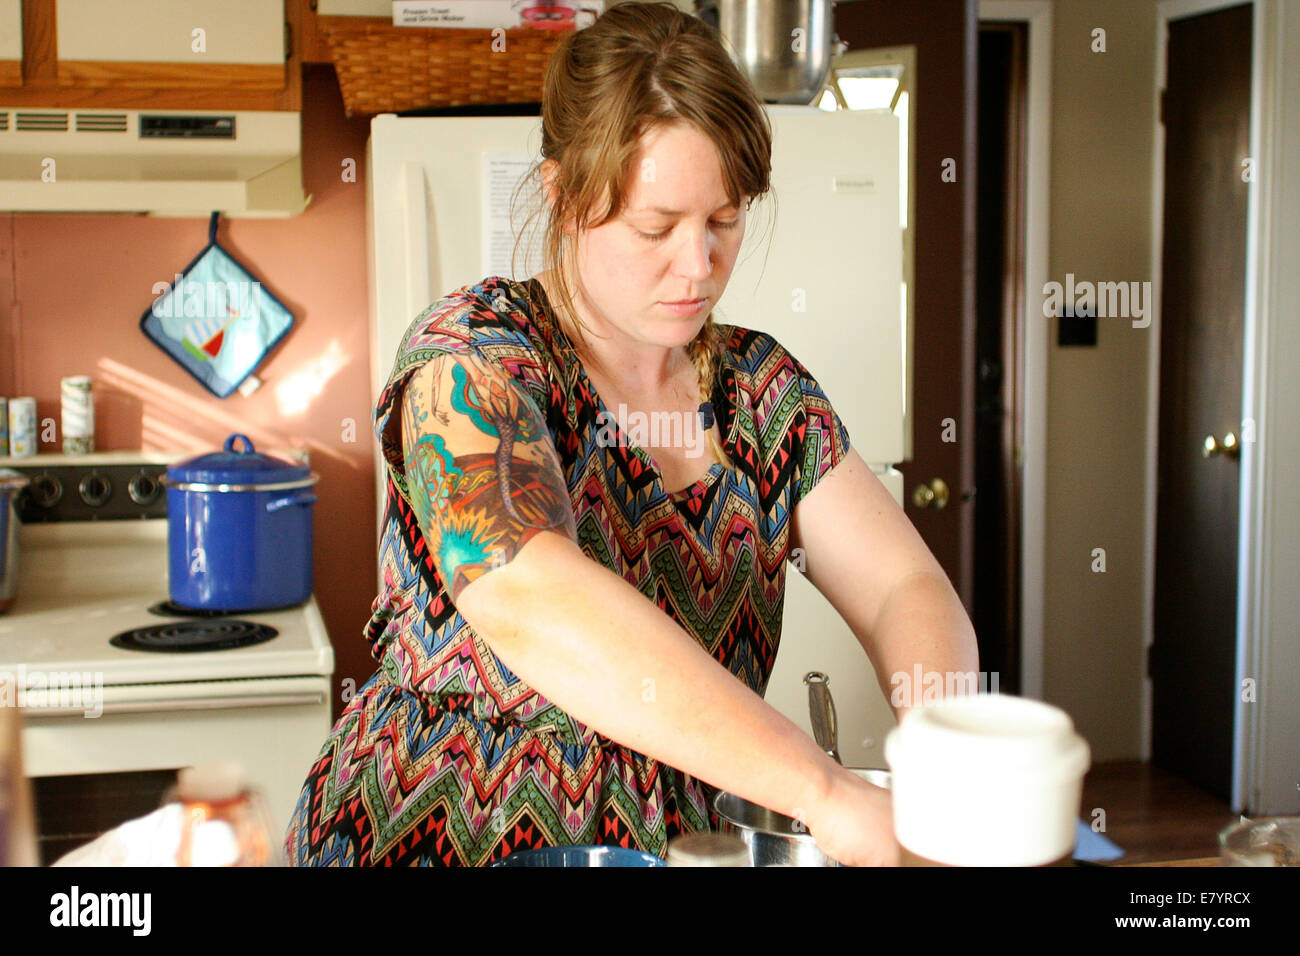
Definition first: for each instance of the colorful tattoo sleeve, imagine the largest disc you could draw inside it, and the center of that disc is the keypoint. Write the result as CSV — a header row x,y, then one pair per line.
x,y
480,467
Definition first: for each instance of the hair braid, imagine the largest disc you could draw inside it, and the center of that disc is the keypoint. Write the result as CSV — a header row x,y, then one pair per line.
x,y
705,353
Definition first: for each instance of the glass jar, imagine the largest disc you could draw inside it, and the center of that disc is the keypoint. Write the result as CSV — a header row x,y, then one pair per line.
x,y
17,823
708,849
224,820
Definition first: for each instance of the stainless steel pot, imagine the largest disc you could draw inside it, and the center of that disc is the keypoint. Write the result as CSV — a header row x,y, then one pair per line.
x,y
11,483
775,839
784,66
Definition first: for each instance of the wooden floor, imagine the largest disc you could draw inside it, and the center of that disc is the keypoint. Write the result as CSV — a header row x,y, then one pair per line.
x,y
1153,815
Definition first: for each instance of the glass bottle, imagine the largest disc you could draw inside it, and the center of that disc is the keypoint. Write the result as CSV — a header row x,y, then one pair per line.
x,y
708,849
17,822
224,820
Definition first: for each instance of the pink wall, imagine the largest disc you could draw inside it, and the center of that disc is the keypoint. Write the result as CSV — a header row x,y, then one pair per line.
x,y
73,288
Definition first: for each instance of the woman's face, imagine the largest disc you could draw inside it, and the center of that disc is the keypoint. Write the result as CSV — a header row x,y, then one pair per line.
x,y
676,238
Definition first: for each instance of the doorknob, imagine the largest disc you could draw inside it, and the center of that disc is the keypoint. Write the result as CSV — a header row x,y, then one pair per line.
x,y
1228,448
933,495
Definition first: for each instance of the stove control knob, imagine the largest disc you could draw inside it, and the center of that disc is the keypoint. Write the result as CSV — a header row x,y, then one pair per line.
x,y
45,490
95,489
144,488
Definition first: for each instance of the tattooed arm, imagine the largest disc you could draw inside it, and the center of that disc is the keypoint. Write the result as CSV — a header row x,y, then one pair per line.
x,y
492,503
481,470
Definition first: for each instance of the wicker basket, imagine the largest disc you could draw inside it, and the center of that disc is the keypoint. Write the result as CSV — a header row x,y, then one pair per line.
x,y
382,68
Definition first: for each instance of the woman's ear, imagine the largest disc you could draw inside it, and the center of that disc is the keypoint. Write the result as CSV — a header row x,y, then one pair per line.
x,y
549,169
550,185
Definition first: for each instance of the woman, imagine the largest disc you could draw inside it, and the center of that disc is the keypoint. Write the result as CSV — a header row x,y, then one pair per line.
x,y
574,631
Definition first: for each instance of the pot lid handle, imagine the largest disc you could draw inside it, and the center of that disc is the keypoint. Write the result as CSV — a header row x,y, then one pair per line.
x,y
230,443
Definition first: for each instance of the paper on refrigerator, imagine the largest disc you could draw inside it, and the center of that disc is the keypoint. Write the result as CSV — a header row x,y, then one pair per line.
x,y
502,174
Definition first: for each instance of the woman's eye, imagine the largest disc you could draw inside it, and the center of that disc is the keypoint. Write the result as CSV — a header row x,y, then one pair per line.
x,y
661,236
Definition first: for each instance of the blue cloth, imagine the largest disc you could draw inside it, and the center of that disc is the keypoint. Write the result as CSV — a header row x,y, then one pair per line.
x,y
1092,846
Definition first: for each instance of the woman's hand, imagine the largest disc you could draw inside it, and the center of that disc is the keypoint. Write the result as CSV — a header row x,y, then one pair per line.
x,y
854,824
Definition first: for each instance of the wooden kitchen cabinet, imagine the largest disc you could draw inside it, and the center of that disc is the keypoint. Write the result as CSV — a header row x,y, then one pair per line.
x,y
11,42
155,54
184,43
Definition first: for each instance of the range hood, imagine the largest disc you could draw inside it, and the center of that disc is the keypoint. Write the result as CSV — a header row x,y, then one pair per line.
x,y
162,162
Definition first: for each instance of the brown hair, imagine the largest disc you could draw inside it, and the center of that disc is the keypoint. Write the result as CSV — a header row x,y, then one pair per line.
x,y
639,66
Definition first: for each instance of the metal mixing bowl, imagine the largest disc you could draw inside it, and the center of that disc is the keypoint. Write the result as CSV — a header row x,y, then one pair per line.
x,y
759,32
773,838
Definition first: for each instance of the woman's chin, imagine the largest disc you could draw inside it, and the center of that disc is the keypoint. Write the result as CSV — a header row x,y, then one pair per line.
x,y
676,333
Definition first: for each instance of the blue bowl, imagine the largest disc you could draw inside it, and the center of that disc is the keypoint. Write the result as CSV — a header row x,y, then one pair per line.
x,y
581,856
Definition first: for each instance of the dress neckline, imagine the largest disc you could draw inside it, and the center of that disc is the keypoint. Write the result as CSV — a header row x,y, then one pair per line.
x,y
731,420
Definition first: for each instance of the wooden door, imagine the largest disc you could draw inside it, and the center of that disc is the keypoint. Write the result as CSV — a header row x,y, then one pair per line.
x,y
1207,132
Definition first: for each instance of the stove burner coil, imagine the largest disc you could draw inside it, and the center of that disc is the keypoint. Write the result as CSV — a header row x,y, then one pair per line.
x,y
195,635
172,609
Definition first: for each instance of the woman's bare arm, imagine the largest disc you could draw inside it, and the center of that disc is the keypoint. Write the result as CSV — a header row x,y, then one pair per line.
x,y
862,553
491,500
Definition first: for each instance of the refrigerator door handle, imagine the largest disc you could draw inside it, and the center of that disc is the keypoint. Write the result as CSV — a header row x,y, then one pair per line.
x,y
416,239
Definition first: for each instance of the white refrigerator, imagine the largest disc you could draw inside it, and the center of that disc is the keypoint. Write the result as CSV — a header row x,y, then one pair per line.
x,y
820,269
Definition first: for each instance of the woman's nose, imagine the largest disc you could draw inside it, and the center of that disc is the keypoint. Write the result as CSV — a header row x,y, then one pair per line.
x,y
694,256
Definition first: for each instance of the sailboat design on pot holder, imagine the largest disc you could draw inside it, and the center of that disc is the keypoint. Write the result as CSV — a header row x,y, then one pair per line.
x,y
216,319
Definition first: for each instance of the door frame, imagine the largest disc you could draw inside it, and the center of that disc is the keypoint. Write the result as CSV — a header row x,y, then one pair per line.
x,y
1254,555
1033,453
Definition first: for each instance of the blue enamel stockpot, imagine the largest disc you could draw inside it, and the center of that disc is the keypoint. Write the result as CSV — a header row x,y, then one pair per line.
x,y
239,530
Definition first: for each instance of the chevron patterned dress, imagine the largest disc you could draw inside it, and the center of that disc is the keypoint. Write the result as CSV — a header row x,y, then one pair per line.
x,y
444,757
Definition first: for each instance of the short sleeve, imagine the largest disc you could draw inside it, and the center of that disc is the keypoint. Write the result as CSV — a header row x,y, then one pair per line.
x,y
432,333
483,321
825,439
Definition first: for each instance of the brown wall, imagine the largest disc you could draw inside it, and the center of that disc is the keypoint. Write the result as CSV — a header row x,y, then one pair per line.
x,y
1102,141
73,288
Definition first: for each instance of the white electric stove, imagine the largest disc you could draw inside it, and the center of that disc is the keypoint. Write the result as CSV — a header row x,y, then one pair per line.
x,y
89,573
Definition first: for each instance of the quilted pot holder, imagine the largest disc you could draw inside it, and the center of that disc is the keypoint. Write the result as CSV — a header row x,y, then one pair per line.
x,y
217,320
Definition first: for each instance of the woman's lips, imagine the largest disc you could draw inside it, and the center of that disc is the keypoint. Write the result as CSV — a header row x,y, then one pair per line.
x,y
685,308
